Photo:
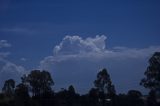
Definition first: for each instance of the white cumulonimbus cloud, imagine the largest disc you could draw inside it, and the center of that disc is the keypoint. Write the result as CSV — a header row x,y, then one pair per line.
x,y
75,47
75,57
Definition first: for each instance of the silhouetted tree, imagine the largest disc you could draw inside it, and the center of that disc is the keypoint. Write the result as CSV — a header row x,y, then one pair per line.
x,y
24,79
134,94
22,95
71,95
103,82
93,97
122,100
61,97
71,89
151,99
134,98
104,85
40,82
8,87
152,79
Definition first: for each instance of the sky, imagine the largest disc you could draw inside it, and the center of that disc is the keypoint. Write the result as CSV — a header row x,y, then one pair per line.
x,y
74,39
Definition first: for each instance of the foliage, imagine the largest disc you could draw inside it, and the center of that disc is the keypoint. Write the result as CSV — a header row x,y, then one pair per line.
x,y
104,83
71,89
152,79
40,82
21,95
8,87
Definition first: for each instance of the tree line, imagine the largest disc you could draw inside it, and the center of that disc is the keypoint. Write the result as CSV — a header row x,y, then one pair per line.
x,y
35,89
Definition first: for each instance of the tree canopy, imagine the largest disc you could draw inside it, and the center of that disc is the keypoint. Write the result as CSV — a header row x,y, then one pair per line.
x,y
8,87
40,82
103,82
152,79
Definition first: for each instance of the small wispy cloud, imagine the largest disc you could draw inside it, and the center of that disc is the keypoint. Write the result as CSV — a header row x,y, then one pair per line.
x,y
23,59
19,30
4,44
4,54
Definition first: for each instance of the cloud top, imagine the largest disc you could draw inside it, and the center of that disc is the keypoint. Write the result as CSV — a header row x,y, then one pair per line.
x,y
71,45
75,47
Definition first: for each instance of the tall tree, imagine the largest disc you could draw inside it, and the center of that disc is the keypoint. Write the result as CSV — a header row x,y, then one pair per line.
x,y
8,87
93,97
71,89
103,82
22,91
104,86
40,82
134,98
21,95
71,97
152,79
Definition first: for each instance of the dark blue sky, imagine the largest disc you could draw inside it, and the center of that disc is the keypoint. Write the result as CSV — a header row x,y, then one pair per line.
x,y
34,27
